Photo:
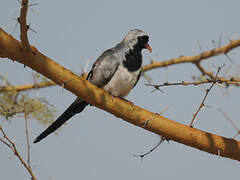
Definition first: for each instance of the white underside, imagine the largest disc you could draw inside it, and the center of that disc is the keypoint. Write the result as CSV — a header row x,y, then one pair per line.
x,y
122,82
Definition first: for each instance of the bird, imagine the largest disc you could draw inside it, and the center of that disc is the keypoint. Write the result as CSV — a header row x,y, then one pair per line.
x,y
117,71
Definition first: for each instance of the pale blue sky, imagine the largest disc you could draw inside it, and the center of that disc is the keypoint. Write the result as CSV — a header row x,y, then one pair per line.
x,y
98,145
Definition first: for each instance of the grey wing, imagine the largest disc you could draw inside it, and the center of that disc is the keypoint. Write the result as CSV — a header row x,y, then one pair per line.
x,y
104,68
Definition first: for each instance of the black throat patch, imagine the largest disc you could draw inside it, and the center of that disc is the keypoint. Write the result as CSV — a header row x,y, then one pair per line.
x,y
133,60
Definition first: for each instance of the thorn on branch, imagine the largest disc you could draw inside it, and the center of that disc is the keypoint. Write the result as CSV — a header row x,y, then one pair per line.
x,y
220,41
219,153
157,87
214,43
228,57
17,22
165,109
200,47
152,149
65,82
24,4
28,27
145,123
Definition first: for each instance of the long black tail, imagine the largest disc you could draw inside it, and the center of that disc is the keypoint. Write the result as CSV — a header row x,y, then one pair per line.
x,y
76,107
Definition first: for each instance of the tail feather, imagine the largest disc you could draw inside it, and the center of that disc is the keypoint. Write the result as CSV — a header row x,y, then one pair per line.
x,y
76,107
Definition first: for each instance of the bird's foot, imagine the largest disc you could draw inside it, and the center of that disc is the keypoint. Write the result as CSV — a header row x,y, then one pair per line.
x,y
129,102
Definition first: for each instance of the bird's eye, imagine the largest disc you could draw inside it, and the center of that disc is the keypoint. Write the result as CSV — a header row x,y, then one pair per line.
x,y
143,39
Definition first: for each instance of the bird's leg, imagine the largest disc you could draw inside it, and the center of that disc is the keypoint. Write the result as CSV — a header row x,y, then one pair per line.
x,y
129,102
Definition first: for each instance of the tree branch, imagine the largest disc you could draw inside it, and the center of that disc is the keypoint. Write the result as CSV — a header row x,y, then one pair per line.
x,y
27,136
233,81
23,26
204,99
13,147
196,58
27,86
11,48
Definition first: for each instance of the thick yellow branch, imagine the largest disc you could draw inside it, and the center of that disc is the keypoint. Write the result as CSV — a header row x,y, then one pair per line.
x,y
183,59
226,147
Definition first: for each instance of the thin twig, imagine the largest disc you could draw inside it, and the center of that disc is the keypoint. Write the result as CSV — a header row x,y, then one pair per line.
x,y
204,98
203,71
230,120
13,147
151,150
4,142
27,135
196,58
195,83
27,86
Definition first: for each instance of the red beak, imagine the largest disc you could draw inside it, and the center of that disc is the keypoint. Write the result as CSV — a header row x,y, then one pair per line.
x,y
147,46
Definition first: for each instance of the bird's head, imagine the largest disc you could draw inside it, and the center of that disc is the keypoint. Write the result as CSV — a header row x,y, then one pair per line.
x,y
137,39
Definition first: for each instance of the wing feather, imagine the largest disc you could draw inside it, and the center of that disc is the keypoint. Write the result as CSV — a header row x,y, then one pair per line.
x,y
104,68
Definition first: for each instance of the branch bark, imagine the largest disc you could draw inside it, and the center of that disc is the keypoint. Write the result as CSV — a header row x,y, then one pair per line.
x,y
27,86
196,58
171,130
